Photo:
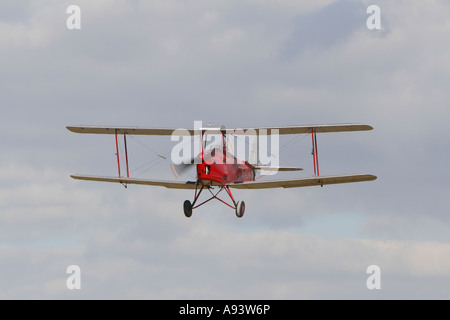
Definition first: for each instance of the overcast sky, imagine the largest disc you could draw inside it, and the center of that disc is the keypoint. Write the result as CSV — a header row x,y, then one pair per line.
x,y
242,63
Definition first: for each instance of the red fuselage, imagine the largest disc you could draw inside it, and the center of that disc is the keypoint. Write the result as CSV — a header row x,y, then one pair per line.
x,y
220,167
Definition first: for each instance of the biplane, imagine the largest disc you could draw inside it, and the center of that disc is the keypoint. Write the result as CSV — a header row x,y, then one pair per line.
x,y
219,170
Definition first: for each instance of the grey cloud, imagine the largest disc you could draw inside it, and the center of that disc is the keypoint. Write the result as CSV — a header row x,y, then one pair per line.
x,y
145,65
329,26
15,11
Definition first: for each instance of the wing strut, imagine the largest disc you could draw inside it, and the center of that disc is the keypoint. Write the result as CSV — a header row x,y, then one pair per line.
x,y
314,152
117,154
126,153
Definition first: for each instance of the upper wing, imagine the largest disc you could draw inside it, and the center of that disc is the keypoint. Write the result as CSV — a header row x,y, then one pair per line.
x,y
303,182
246,131
159,183
129,130
308,129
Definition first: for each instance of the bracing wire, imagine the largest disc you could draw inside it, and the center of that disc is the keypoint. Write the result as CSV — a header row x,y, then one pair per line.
x,y
140,170
285,145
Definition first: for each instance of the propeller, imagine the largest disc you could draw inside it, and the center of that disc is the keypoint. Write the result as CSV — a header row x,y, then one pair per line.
x,y
179,169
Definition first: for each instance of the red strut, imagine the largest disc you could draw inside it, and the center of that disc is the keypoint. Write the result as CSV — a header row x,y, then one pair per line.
x,y
126,153
117,154
314,152
317,153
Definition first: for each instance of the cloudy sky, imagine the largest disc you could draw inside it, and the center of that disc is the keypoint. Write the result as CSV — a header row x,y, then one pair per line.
x,y
242,63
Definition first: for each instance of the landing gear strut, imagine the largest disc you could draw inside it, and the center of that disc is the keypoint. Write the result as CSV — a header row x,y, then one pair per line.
x,y
188,206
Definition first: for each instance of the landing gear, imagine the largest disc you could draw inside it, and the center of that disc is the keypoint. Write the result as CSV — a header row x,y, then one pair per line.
x,y
240,209
187,207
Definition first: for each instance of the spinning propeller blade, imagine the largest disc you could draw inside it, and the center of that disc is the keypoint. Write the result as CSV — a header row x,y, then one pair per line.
x,y
179,169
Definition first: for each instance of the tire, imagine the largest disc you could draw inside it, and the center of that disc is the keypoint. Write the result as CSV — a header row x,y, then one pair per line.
x,y
240,209
187,207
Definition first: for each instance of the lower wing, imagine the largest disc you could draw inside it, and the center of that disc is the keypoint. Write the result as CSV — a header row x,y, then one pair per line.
x,y
159,183
303,182
292,183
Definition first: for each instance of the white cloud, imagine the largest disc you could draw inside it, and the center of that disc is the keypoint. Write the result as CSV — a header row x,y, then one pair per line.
x,y
224,263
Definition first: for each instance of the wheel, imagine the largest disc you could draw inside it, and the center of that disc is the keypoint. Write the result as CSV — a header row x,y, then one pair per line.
x,y
187,207
240,209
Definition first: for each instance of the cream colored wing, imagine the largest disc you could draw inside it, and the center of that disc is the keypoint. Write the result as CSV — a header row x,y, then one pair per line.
x,y
303,182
